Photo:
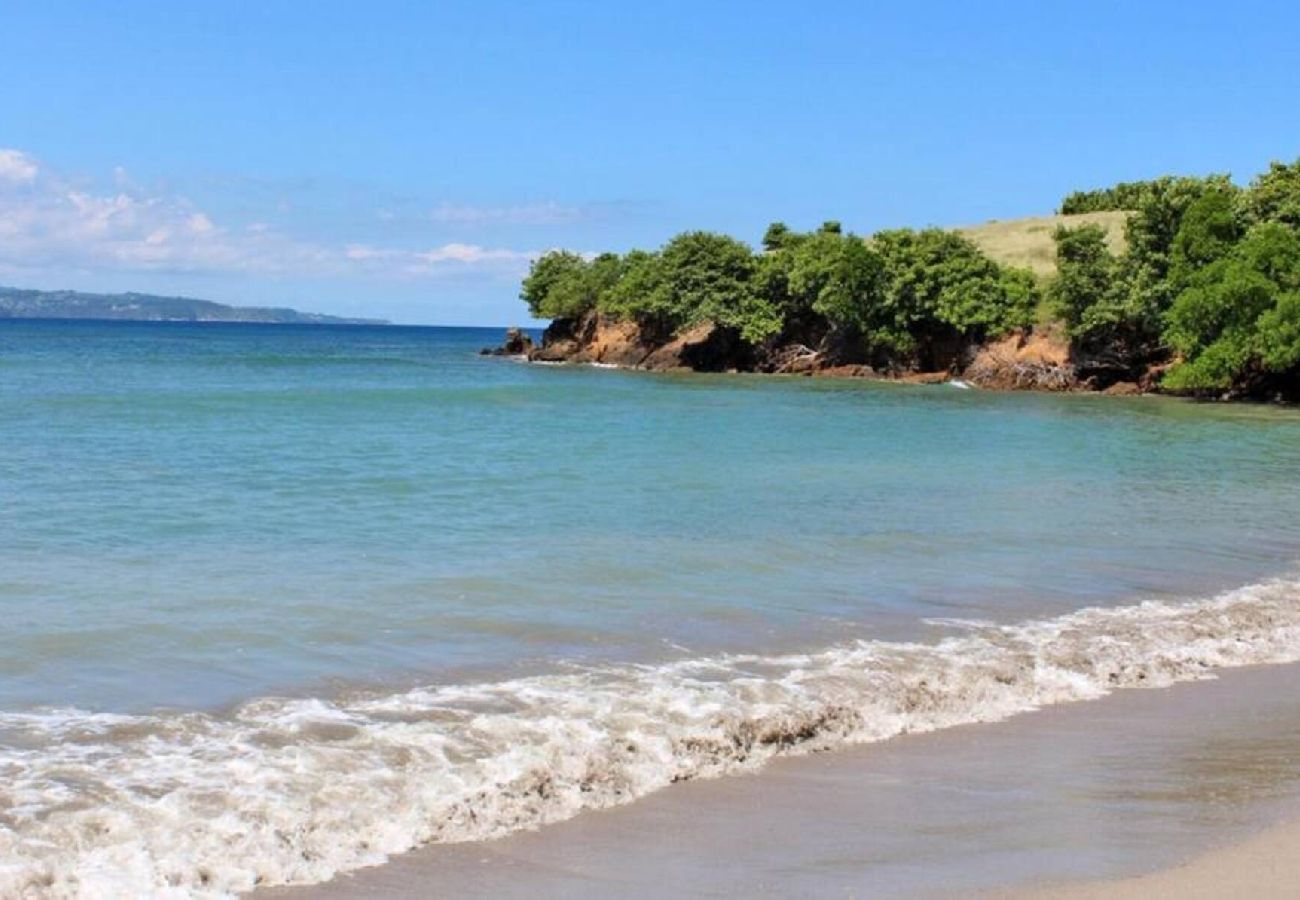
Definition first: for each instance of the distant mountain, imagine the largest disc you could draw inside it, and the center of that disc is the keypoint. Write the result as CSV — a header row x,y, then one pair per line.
x,y
18,303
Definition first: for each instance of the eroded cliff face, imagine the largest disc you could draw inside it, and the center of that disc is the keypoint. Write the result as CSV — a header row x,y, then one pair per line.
x,y
1032,360
598,339
1035,360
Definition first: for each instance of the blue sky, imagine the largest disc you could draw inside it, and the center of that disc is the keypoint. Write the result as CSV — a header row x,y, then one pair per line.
x,y
405,160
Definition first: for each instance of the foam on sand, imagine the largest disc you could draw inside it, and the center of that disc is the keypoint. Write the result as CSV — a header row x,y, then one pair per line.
x,y
295,791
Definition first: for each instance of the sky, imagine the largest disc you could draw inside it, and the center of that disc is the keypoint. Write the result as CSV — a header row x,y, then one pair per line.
x,y
408,160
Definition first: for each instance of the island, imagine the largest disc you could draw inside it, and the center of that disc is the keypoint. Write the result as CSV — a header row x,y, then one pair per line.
x,y
19,303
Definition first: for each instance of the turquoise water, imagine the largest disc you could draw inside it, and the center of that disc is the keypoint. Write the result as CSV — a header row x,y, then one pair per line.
x,y
193,517
194,514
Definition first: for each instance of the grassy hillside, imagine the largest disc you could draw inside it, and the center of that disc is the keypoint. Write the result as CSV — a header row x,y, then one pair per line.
x,y
1028,242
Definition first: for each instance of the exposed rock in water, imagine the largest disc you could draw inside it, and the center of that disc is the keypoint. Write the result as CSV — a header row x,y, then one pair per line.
x,y
925,377
517,343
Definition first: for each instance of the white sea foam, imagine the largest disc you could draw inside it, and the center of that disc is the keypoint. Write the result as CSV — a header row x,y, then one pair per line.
x,y
295,791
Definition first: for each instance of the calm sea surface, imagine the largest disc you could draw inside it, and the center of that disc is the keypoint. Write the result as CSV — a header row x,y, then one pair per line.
x,y
195,516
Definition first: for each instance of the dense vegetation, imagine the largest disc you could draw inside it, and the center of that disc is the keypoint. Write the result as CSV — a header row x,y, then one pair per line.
x,y
1210,282
901,295
1205,296
1127,195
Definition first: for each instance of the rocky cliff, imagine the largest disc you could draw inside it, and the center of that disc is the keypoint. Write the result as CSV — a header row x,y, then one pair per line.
x,y
1038,359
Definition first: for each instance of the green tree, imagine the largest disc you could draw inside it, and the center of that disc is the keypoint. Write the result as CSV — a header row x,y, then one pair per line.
x,y
777,237
838,278
554,286
1209,229
710,277
1118,311
1123,196
639,293
1150,234
1274,196
939,283
1279,330
1085,271
1239,318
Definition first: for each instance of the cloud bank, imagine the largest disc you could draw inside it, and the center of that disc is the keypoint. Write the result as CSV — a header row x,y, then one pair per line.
x,y
51,222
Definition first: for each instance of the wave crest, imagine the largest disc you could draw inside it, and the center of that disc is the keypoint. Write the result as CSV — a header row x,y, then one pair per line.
x,y
288,791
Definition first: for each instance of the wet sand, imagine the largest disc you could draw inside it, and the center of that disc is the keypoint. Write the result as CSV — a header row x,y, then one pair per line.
x,y
1262,868
1139,782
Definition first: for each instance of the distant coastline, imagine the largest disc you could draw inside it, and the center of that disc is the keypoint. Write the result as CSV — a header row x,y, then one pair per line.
x,y
21,303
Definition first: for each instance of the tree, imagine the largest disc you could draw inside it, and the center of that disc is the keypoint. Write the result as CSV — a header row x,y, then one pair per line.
x,y
1123,196
1274,196
838,278
1208,230
1239,318
938,283
710,277
777,237
1085,270
640,293
1279,330
553,288
1117,311
1150,234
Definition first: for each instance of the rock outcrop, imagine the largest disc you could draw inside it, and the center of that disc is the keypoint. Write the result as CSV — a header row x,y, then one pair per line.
x,y
1034,359
1038,360
517,343
602,340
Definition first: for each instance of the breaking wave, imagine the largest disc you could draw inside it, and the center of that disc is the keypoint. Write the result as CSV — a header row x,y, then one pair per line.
x,y
286,791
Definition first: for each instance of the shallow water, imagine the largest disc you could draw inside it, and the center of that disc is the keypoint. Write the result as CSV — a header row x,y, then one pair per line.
x,y
1140,782
424,553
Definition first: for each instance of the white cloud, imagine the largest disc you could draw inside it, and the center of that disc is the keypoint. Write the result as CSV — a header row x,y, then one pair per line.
x,y
453,258
16,167
550,213
470,253
48,222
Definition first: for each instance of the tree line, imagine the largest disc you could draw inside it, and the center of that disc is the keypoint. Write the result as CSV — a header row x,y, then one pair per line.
x,y
899,296
1209,284
1207,288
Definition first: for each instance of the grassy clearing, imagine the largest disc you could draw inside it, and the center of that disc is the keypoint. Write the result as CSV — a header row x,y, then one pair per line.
x,y
1028,243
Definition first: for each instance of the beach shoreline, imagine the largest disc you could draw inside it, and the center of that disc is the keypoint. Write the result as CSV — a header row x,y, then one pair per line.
x,y
1266,865
1084,800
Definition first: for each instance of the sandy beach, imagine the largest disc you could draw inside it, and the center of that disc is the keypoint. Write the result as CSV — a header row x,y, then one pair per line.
x,y
1265,866
1079,801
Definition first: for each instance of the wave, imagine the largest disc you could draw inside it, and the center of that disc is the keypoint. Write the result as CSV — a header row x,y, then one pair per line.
x,y
285,791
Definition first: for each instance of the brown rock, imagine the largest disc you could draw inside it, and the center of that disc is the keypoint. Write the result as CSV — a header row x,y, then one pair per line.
x,y
846,371
613,343
1037,360
702,348
517,343
925,377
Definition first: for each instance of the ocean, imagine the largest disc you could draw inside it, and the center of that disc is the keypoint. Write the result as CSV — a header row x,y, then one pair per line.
x,y
282,601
